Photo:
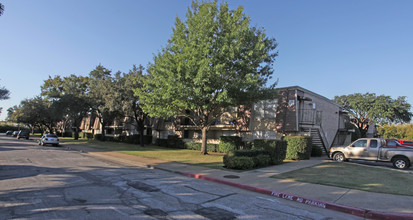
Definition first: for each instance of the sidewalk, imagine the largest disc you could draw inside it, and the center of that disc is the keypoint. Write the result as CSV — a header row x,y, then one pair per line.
x,y
355,202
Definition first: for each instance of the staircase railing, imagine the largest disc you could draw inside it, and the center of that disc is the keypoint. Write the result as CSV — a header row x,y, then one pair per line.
x,y
325,141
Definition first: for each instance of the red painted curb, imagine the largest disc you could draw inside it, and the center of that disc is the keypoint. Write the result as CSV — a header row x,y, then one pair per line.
x,y
364,213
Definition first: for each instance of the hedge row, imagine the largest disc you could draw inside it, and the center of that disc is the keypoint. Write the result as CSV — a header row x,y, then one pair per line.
x,y
229,143
275,148
4,128
131,139
246,162
298,147
261,153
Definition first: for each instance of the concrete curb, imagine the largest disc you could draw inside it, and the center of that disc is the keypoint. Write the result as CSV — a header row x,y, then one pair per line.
x,y
364,213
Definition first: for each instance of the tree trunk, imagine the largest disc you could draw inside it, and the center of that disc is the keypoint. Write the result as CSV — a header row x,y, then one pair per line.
x,y
141,139
76,131
76,134
363,130
103,131
204,148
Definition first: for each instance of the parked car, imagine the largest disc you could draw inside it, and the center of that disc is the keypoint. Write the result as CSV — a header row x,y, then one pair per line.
x,y
374,149
9,133
15,133
23,134
49,139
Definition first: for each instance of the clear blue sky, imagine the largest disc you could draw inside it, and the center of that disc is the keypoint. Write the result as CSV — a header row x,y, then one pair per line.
x,y
330,47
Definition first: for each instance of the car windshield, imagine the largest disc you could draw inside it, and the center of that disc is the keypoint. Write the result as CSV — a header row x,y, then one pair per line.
x,y
51,135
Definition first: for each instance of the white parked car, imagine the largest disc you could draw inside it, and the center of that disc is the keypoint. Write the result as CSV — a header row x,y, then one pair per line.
x,y
49,139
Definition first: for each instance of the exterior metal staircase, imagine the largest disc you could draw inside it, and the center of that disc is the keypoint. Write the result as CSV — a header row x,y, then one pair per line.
x,y
318,139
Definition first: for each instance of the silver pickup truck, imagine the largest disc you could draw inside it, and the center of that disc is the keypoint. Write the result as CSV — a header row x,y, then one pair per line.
x,y
374,149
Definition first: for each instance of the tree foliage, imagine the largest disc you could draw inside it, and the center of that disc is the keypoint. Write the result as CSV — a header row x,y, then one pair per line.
x,y
36,112
213,60
399,131
1,9
104,97
131,105
367,109
4,94
70,94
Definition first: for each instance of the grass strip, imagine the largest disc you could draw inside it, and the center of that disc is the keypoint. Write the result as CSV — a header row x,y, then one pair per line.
x,y
354,176
192,157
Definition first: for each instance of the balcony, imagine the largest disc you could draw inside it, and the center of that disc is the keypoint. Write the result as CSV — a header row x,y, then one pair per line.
x,y
309,117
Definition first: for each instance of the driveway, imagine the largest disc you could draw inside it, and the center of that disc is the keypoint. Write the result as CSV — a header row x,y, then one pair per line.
x,y
39,182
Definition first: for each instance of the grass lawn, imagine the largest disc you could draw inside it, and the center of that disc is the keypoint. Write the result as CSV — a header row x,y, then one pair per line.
x,y
192,157
354,176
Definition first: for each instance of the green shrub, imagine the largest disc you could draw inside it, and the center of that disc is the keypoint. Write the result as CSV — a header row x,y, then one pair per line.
x,y
262,160
131,139
248,145
147,139
198,146
193,146
89,136
109,138
229,143
65,134
98,137
5,127
247,153
174,141
162,142
298,147
240,163
275,148
316,151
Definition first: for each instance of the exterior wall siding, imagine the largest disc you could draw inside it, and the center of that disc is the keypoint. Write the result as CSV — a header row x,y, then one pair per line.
x,y
330,114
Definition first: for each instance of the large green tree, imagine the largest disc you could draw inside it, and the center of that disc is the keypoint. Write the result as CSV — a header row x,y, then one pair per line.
x,y
367,109
36,112
70,94
104,99
131,105
214,60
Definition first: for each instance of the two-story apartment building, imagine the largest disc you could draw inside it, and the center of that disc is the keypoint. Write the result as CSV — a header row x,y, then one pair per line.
x,y
294,111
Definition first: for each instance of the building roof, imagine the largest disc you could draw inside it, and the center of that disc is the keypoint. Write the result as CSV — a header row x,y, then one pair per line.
x,y
310,92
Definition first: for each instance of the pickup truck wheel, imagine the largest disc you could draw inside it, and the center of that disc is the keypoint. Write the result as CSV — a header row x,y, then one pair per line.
x,y
401,163
339,157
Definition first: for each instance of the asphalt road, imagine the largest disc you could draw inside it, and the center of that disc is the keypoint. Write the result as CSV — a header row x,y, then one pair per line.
x,y
43,182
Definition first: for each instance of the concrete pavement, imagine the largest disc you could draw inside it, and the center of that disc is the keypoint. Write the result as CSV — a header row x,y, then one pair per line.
x,y
359,203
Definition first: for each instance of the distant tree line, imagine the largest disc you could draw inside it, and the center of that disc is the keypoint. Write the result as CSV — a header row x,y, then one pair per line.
x,y
369,109
68,100
399,131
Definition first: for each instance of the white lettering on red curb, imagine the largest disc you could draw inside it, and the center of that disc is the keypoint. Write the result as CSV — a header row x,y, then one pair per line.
x,y
299,199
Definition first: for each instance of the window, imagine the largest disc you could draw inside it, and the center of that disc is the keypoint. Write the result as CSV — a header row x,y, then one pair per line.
x,y
265,109
373,143
186,134
391,144
360,143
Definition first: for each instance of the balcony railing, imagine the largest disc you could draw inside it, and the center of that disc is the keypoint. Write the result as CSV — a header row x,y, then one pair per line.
x,y
310,117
